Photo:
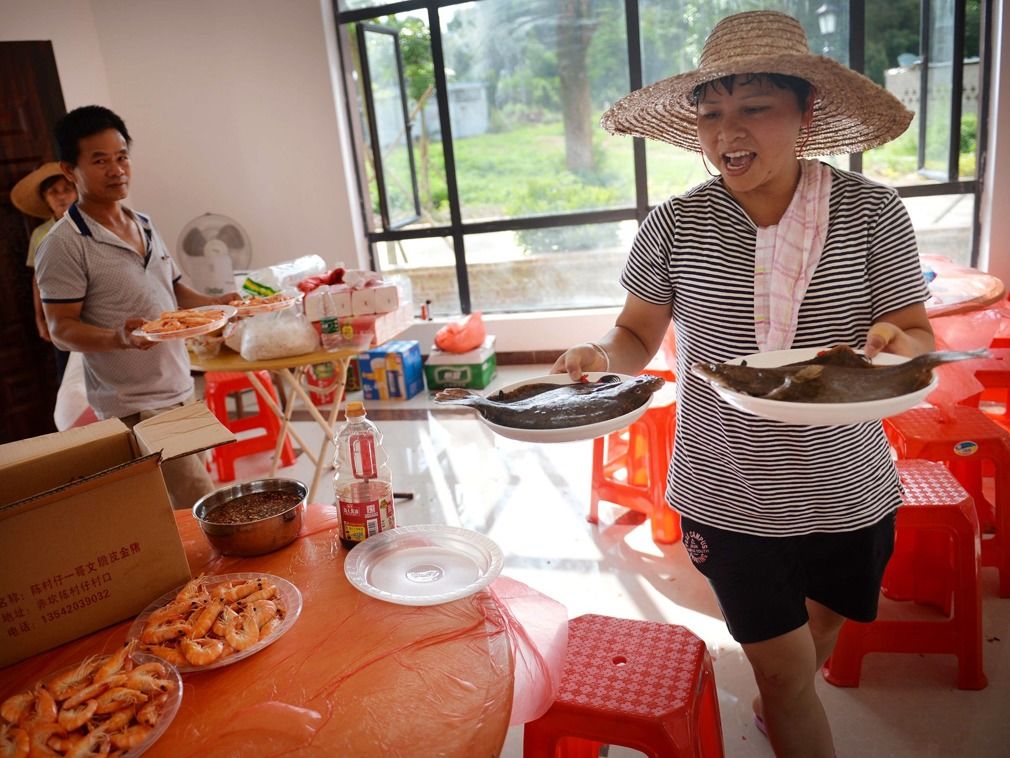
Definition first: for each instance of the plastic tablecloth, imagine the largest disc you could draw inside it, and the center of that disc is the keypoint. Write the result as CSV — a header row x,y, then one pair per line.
x,y
354,676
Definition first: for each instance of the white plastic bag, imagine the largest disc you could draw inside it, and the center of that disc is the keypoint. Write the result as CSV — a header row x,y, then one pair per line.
x,y
278,335
273,279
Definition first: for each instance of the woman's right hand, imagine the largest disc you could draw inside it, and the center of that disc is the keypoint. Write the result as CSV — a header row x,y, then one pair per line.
x,y
579,360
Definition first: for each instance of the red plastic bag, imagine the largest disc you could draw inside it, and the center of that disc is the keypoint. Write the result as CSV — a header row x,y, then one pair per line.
x,y
462,336
309,283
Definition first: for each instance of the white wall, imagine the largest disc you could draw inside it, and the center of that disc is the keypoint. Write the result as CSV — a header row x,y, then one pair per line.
x,y
231,107
70,26
994,247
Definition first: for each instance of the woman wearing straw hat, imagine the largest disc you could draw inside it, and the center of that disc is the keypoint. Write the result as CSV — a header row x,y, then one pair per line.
x,y
45,193
792,525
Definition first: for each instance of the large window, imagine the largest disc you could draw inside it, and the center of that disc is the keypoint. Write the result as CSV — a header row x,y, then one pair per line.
x,y
487,180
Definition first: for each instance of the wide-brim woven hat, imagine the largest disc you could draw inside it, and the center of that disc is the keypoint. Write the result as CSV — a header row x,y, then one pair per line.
x,y
25,195
851,113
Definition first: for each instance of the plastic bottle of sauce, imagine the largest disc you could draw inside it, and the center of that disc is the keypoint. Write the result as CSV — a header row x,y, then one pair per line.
x,y
364,486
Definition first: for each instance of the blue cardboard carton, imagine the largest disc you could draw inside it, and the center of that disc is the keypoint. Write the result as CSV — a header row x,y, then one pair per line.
x,y
392,371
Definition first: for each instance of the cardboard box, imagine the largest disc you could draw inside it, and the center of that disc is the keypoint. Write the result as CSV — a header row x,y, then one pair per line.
x,y
362,303
474,369
362,331
87,533
392,371
328,300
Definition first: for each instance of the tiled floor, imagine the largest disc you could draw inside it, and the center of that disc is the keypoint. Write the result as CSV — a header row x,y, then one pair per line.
x,y
533,499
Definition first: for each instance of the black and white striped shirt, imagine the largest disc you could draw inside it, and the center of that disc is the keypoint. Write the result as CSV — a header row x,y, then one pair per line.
x,y
740,472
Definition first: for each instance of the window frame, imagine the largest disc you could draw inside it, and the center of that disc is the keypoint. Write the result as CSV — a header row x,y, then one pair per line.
x,y
458,230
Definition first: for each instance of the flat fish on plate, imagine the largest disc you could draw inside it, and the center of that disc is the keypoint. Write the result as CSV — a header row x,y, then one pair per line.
x,y
838,375
558,406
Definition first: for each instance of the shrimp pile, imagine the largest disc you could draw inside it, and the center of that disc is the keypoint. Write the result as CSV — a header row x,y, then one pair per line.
x,y
103,706
173,321
251,302
207,621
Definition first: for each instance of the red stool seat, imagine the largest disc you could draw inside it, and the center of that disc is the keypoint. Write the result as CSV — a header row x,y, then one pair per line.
x,y
640,684
630,467
995,380
964,438
936,560
218,385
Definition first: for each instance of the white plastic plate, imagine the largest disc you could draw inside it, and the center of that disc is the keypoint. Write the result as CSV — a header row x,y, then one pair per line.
x,y
193,331
569,433
820,414
289,595
424,564
253,309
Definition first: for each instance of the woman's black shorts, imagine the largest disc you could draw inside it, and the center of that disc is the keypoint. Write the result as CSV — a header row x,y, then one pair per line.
x,y
762,583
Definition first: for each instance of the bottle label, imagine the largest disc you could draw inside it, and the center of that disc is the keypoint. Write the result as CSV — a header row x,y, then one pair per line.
x,y
362,518
363,463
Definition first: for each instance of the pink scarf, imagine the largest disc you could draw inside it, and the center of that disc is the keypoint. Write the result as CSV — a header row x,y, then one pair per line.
x,y
786,256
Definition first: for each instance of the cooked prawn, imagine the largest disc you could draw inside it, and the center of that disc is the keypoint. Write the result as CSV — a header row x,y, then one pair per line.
x,y
155,634
148,712
119,697
93,691
119,720
202,651
265,592
170,654
45,709
14,708
14,742
191,589
130,737
231,593
263,611
69,682
149,678
72,718
243,631
206,618
116,662
39,735
95,742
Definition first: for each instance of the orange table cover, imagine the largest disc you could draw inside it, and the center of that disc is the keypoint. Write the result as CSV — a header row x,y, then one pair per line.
x,y
354,676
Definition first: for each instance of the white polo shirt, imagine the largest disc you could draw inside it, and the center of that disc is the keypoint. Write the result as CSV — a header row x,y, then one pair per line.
x,y
80,261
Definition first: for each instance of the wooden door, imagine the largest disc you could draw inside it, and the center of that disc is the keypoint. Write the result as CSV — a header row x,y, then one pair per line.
x,y
31,101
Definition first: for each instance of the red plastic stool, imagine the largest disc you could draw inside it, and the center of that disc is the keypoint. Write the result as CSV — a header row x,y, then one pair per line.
x,y
934,505
964,438
630,466
641,684
218,385
996,381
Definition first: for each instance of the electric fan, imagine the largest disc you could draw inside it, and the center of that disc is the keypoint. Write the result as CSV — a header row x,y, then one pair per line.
x,y
212,248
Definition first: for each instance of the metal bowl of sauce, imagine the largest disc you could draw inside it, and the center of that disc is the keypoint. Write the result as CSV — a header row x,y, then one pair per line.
x,y
252,518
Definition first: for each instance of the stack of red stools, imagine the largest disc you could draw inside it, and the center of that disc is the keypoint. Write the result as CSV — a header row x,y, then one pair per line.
x,y
218,385
936,562
995,379
640,684
630,466
970,444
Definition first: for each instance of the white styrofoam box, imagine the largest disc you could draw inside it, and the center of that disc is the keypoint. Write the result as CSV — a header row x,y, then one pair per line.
x,y
362,303
385,298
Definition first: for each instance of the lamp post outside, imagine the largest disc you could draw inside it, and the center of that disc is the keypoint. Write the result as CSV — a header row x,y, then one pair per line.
x,y
827,22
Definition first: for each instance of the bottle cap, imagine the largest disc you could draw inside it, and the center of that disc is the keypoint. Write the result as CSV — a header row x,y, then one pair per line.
x,y
354,409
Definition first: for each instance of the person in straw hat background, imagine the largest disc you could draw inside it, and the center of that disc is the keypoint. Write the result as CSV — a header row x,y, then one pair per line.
x,y
44,193
792,525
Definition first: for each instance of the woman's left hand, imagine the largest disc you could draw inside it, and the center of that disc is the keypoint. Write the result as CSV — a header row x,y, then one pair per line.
x,y
885,337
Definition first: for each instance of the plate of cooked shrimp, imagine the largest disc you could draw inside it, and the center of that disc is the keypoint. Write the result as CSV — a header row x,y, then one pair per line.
x,y
191,322
214,621
120,703
250,306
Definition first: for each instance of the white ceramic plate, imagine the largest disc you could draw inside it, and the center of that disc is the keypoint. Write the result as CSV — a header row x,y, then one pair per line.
x,y
570,433
193,331
289,596
424,564
820,414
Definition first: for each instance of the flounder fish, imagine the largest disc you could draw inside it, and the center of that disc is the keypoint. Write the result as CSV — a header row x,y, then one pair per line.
x,y
838,375
558,406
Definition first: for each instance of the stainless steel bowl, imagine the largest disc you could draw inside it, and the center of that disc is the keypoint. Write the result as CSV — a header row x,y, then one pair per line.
x,y
252,537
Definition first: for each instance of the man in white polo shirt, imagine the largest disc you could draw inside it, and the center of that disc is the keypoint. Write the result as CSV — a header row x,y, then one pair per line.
x,y
102,271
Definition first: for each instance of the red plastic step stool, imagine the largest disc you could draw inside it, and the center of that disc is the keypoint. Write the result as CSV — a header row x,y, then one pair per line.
x,y
218,385
640,684
996,382
936,560
964,439
630,466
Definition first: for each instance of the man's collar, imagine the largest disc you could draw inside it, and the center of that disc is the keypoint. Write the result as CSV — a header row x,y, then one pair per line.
x,y
80,225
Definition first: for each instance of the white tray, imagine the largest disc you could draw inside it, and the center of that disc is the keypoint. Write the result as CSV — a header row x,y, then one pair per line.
x,y
193,331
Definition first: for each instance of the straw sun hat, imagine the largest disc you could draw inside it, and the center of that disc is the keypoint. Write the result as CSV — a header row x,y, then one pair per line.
x,y
851,113
25,195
